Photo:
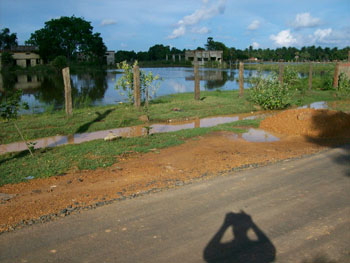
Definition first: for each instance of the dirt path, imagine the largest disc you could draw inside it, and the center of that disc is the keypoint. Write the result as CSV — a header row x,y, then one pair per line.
x,y
46,199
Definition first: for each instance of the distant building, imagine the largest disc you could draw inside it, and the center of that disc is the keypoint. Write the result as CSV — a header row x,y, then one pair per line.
x,y
203,56
25,56
110,57
252,59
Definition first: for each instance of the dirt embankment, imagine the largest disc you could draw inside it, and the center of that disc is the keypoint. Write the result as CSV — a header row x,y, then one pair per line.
x,y
171,167
310,123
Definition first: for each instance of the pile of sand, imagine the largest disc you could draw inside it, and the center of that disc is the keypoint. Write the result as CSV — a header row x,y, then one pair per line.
x,y
309,122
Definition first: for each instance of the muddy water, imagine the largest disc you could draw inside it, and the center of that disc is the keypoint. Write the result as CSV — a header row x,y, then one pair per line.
x,y
253,135
133,131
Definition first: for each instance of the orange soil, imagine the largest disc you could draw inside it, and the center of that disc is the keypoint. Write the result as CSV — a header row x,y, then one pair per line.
x,y
211,154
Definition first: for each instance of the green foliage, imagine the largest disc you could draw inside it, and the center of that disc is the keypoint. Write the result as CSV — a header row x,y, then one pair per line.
x,y
344,85
59,62
7,40
126,82
290,76
66,36
7,59
268,93
11,104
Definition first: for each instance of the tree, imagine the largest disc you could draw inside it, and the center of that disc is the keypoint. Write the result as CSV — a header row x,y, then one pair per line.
x,y
7,40
7,60
66,36
214,45
123,55
158,52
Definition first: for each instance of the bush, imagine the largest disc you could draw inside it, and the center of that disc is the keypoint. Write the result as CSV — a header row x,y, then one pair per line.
x,y
344,85
7,60
59,62
268,93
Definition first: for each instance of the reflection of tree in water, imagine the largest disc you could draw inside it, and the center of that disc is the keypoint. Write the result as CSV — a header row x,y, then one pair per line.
x,y
92,85
89,86
241,249
8,81
51,90
219,82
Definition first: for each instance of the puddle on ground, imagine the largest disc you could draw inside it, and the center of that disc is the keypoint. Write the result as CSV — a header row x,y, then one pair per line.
x,y
253,135
320,105
132,131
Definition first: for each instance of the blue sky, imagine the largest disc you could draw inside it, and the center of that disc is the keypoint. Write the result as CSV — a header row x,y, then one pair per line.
x,y
140,24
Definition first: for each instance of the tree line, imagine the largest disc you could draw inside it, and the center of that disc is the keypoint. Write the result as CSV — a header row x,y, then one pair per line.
x,y
73,38
310,53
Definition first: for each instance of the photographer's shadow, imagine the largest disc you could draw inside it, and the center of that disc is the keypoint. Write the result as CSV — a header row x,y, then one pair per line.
x,y
241,248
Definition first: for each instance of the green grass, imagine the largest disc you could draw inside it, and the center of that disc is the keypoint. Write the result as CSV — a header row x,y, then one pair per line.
x,y
161,109
15,167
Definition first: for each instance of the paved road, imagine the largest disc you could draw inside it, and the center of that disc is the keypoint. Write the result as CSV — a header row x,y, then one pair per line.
x,y
292,211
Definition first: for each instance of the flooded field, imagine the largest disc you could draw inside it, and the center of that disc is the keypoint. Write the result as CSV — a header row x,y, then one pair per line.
x,y
46,92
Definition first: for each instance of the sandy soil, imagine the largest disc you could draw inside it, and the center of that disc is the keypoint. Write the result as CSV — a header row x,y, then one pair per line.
x,y
302,132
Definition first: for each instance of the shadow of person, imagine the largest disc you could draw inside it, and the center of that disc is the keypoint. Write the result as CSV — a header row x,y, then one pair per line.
x,y
83,128
241,248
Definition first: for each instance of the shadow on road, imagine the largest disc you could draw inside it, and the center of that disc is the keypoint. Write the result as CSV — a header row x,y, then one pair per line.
x,y
334,131
241,249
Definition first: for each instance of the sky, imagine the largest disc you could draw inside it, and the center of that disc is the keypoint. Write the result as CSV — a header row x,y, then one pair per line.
x,y
186,24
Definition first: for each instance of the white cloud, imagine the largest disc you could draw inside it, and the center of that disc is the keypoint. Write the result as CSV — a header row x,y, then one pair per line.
x,y
254,25
203,13
256,45
322,34
178,32
284,38
202,30
123,45
304,20
107,22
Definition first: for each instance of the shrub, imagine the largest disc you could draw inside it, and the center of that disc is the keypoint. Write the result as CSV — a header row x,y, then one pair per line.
x,y
59,62
148,82
291,77
344,85
268,93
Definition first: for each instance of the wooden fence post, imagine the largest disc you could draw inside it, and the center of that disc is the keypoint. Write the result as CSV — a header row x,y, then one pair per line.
x,y
336,76
241,79
67,91
281,71
196,82
310,76
137,88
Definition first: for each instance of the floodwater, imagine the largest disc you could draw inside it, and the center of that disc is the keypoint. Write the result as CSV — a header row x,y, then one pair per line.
x,y
46,92
136,131
253,135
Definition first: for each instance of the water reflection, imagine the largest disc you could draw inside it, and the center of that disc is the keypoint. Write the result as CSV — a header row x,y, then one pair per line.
x,y
46,91
136,131
41,91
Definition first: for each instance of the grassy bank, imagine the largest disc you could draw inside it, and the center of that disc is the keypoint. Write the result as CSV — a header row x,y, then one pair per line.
x,y
15,167
123,115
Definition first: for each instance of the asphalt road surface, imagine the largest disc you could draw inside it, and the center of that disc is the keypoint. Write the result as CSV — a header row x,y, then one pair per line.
x,y
293,211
